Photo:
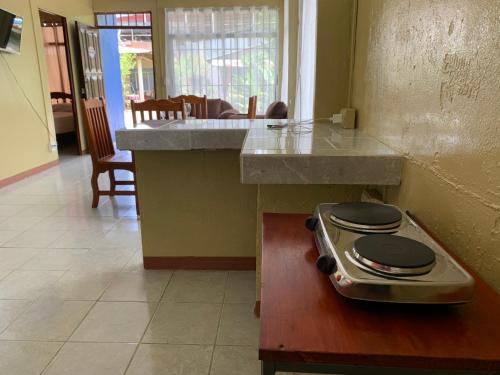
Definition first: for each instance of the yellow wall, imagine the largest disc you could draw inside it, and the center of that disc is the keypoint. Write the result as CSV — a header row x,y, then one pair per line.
x,y
332,56
426,82
25,135
186,192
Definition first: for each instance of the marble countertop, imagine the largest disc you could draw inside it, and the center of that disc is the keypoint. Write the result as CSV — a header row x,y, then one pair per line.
x,y
316,153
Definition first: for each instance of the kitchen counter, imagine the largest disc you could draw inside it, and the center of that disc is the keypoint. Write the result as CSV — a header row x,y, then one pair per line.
x,y
318,153
204,184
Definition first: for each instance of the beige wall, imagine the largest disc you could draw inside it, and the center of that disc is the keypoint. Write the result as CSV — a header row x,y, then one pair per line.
x,y
26,135
186,192
332,56
426,82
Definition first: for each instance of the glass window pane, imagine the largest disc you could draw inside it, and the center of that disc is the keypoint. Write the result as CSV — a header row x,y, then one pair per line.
x,y
124,19
110,20
139,19
231,53
101,20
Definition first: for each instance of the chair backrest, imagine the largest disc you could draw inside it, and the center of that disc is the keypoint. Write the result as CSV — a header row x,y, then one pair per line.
x,y
277,110
252,107
168,108
97,126
63,97
199,104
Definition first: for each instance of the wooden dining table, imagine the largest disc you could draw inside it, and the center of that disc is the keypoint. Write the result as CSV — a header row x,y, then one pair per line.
x,y
306,326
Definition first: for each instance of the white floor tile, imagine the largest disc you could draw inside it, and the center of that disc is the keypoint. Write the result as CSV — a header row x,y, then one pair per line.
x,y
12,258
240,287
120,238
34,239
228,358
27,284
10,310
184,323
8,210
238,325
197,286
47,320
163,359
80,285
91,358
25,357
115,322
38,211
54,259
141,287
77,239
7,235
19,223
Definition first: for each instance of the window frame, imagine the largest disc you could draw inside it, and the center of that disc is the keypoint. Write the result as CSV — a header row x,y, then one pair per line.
x,y
117,27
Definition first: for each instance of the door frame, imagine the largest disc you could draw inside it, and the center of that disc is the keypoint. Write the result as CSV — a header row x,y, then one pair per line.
x,y
132,28
67,51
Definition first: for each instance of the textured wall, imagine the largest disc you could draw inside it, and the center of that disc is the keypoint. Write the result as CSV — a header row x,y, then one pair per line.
x,y
426,82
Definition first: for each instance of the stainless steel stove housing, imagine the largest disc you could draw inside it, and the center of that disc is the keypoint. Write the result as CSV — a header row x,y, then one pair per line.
x,y
446,283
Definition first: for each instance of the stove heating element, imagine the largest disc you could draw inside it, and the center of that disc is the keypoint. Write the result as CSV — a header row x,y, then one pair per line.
x,y
375,252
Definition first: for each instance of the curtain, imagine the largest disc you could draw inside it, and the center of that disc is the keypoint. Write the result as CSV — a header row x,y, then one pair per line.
x,y
306,60
55,55
227,53
284,69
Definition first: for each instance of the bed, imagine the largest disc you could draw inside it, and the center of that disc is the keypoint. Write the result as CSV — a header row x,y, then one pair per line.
x,y
62,109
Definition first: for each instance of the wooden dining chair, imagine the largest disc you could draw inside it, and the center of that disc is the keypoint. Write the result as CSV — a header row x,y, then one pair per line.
x,y
199,105
105,158
168,108
251,113
252,107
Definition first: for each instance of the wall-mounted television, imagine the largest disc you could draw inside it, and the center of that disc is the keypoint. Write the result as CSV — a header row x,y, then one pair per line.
x,y
11,28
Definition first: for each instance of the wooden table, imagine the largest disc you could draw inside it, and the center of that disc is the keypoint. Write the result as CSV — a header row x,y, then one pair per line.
x,y
306,326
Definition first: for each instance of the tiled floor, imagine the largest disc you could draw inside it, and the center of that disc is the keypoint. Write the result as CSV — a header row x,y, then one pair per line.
x,y
75,299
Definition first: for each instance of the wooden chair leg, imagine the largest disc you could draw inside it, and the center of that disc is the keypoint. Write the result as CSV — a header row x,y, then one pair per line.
x,y
112,181
95,188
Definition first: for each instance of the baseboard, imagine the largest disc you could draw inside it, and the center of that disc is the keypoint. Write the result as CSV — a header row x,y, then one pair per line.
x,y
200,263
28,173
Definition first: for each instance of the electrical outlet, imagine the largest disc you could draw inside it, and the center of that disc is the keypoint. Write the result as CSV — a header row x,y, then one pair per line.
x,y
53,147
348,118
336,118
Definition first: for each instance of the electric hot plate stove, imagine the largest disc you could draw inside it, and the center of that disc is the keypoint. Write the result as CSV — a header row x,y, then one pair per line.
x,y
375,252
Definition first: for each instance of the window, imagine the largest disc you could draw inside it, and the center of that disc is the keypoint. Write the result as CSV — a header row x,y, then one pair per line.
x,y
228,53
114,20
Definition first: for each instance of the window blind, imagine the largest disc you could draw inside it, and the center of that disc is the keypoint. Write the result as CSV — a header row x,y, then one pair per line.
x,y
228,53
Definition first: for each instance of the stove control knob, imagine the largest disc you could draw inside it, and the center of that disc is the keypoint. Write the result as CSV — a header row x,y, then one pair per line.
x,y
311,223
326,264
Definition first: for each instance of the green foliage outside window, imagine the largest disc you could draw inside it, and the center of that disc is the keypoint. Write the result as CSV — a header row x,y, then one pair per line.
x,y
128,62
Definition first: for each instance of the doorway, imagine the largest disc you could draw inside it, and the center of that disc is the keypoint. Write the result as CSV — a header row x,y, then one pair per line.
x,y
61,85
127,60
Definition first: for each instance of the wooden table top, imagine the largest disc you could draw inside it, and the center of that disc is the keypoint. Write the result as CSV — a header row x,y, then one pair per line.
x,y
304,319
